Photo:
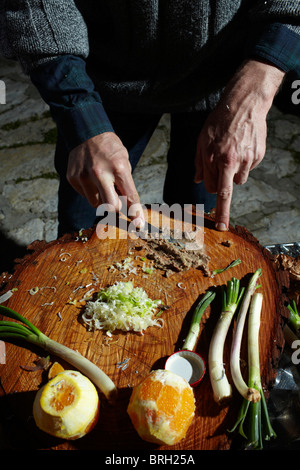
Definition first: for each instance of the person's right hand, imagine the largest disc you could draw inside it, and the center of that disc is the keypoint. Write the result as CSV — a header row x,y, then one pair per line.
x,y
99,169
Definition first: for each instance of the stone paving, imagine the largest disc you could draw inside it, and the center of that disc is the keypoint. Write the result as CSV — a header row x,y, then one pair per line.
x,y
268,205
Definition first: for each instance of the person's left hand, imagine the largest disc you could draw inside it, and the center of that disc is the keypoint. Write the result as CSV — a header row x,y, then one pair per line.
x,y
233,139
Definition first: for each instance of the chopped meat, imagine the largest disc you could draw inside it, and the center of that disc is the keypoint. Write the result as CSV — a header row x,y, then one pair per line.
x,y
175,255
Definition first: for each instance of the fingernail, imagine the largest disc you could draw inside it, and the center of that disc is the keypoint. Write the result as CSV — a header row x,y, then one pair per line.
x,y
221,226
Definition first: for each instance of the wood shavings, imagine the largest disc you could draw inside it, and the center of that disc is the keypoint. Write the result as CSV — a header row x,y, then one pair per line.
x,y
88,294
36,289
48,287
6,296
123,364
64,256
77,288
181,286
127,267
33,290
109,340
95,278
80,237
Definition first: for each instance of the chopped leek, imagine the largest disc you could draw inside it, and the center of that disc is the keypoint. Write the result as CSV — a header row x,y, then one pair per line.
x,y
121,307
231,299
28,332
194,329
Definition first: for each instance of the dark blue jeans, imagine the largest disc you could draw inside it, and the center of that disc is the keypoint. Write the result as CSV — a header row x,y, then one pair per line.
x,y
135,131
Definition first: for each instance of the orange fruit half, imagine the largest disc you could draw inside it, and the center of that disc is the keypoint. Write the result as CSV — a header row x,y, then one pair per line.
x,y
67,406
162,407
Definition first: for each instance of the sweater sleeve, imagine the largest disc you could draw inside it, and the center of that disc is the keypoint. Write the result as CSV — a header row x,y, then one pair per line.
x,y
74,104
37,31
50,40
279,45
276,33
282,11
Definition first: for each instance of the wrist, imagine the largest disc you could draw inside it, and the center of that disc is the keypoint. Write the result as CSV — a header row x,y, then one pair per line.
x,y
255,81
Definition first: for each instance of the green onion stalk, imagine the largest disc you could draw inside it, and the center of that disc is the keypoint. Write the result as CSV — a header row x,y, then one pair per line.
x,y
291,329
194,329
28,332
294,320
231,298
253,422
231,265
245,390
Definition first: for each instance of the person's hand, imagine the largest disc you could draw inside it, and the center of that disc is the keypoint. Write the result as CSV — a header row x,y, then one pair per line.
x,y
233,139
99,169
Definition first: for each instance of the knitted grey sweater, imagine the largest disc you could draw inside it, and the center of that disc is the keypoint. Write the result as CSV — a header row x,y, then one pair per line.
x,y
175,54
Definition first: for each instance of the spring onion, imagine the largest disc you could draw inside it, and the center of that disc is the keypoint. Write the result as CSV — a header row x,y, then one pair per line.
x,y
231,265
231,299
291,329
194,329
247,392
294,320
30,333
254,415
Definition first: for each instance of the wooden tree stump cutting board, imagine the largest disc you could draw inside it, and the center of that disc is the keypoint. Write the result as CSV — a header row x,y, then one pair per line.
x,y
65,270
